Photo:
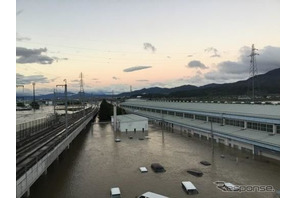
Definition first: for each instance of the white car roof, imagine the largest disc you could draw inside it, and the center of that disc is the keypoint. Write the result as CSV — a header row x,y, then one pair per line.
x,y
115,191
188,185
153,195
143,169
229,185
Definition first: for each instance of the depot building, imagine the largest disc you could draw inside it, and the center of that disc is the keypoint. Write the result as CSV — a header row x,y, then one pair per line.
x,y
130,123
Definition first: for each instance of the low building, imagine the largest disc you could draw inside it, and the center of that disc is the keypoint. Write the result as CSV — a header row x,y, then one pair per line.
x,y
131,123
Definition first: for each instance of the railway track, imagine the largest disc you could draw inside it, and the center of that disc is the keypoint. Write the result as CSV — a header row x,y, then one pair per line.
x,y
41,143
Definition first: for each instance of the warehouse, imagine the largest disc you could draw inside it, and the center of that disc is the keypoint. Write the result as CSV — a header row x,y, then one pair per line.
x,y
131,123
250,127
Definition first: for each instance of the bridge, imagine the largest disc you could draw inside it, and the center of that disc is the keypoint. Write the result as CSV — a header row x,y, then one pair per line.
x,y
40,142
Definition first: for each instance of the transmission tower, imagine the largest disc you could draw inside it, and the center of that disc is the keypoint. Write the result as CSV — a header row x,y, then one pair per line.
x,y
81,83
253,69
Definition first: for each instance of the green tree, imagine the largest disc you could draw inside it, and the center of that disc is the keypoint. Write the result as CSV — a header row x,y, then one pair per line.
x,y
106,111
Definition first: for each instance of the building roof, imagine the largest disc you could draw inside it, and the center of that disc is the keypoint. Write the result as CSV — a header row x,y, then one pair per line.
x,y
252,112
131,118
250,136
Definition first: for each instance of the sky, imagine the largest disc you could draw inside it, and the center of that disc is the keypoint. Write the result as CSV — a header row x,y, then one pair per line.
x,y
116,44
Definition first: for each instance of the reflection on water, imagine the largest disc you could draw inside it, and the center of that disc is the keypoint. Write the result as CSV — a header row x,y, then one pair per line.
x,y
95,163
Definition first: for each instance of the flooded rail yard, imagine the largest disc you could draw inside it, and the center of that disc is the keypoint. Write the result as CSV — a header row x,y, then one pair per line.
x,y
95,163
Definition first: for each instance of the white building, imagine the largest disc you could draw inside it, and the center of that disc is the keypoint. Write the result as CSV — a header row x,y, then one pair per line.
x,y
131,123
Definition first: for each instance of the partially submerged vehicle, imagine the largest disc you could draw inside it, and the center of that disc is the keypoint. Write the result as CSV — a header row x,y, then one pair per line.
x,y
115,192
157,167
189,187
151,195
195,172
226,186
205,163
143,169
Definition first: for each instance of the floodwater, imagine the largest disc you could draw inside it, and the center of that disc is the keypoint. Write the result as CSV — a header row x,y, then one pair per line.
x,y
95,163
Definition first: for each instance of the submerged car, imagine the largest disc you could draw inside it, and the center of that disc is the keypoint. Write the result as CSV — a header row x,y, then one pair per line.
x,y
157,167
189,187
151,195
115,192
195,172
205,163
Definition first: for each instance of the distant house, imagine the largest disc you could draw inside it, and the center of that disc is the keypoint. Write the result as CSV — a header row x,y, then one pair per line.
x,y
131,123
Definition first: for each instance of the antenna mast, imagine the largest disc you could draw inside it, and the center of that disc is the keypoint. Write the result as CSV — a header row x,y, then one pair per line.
x,y
253,69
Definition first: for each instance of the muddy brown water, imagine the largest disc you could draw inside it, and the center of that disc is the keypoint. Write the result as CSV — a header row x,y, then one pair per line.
x,y
95,163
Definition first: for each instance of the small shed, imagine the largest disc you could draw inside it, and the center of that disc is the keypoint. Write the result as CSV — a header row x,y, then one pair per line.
x,y
131,123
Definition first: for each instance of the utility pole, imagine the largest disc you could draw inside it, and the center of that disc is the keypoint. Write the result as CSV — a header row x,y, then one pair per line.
x,y
66,105
81,91
33,91
253,69
23,92
212,142
54,101
162,127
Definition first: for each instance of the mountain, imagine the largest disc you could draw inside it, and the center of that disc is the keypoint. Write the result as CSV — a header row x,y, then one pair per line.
x,y
70,95
265,84
157,91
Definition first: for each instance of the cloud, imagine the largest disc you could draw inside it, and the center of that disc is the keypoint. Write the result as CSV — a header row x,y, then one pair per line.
x,y
59,59
196,64
168,57
21,38
115,78
19,12
142,80
190,55
268,59
54,79
24,80
34,56
212,50
75,81
136,68
148,46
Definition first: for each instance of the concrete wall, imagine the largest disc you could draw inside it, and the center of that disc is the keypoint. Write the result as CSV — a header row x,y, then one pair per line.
x,y
131,126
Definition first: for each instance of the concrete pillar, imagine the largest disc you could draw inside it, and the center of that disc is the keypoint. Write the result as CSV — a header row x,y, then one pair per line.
x,y
206,118
274,129
223,122
45,172
245,125
226,142
115,118
27,194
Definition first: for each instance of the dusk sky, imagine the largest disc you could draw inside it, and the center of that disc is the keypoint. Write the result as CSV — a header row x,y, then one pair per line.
x,y
117,44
